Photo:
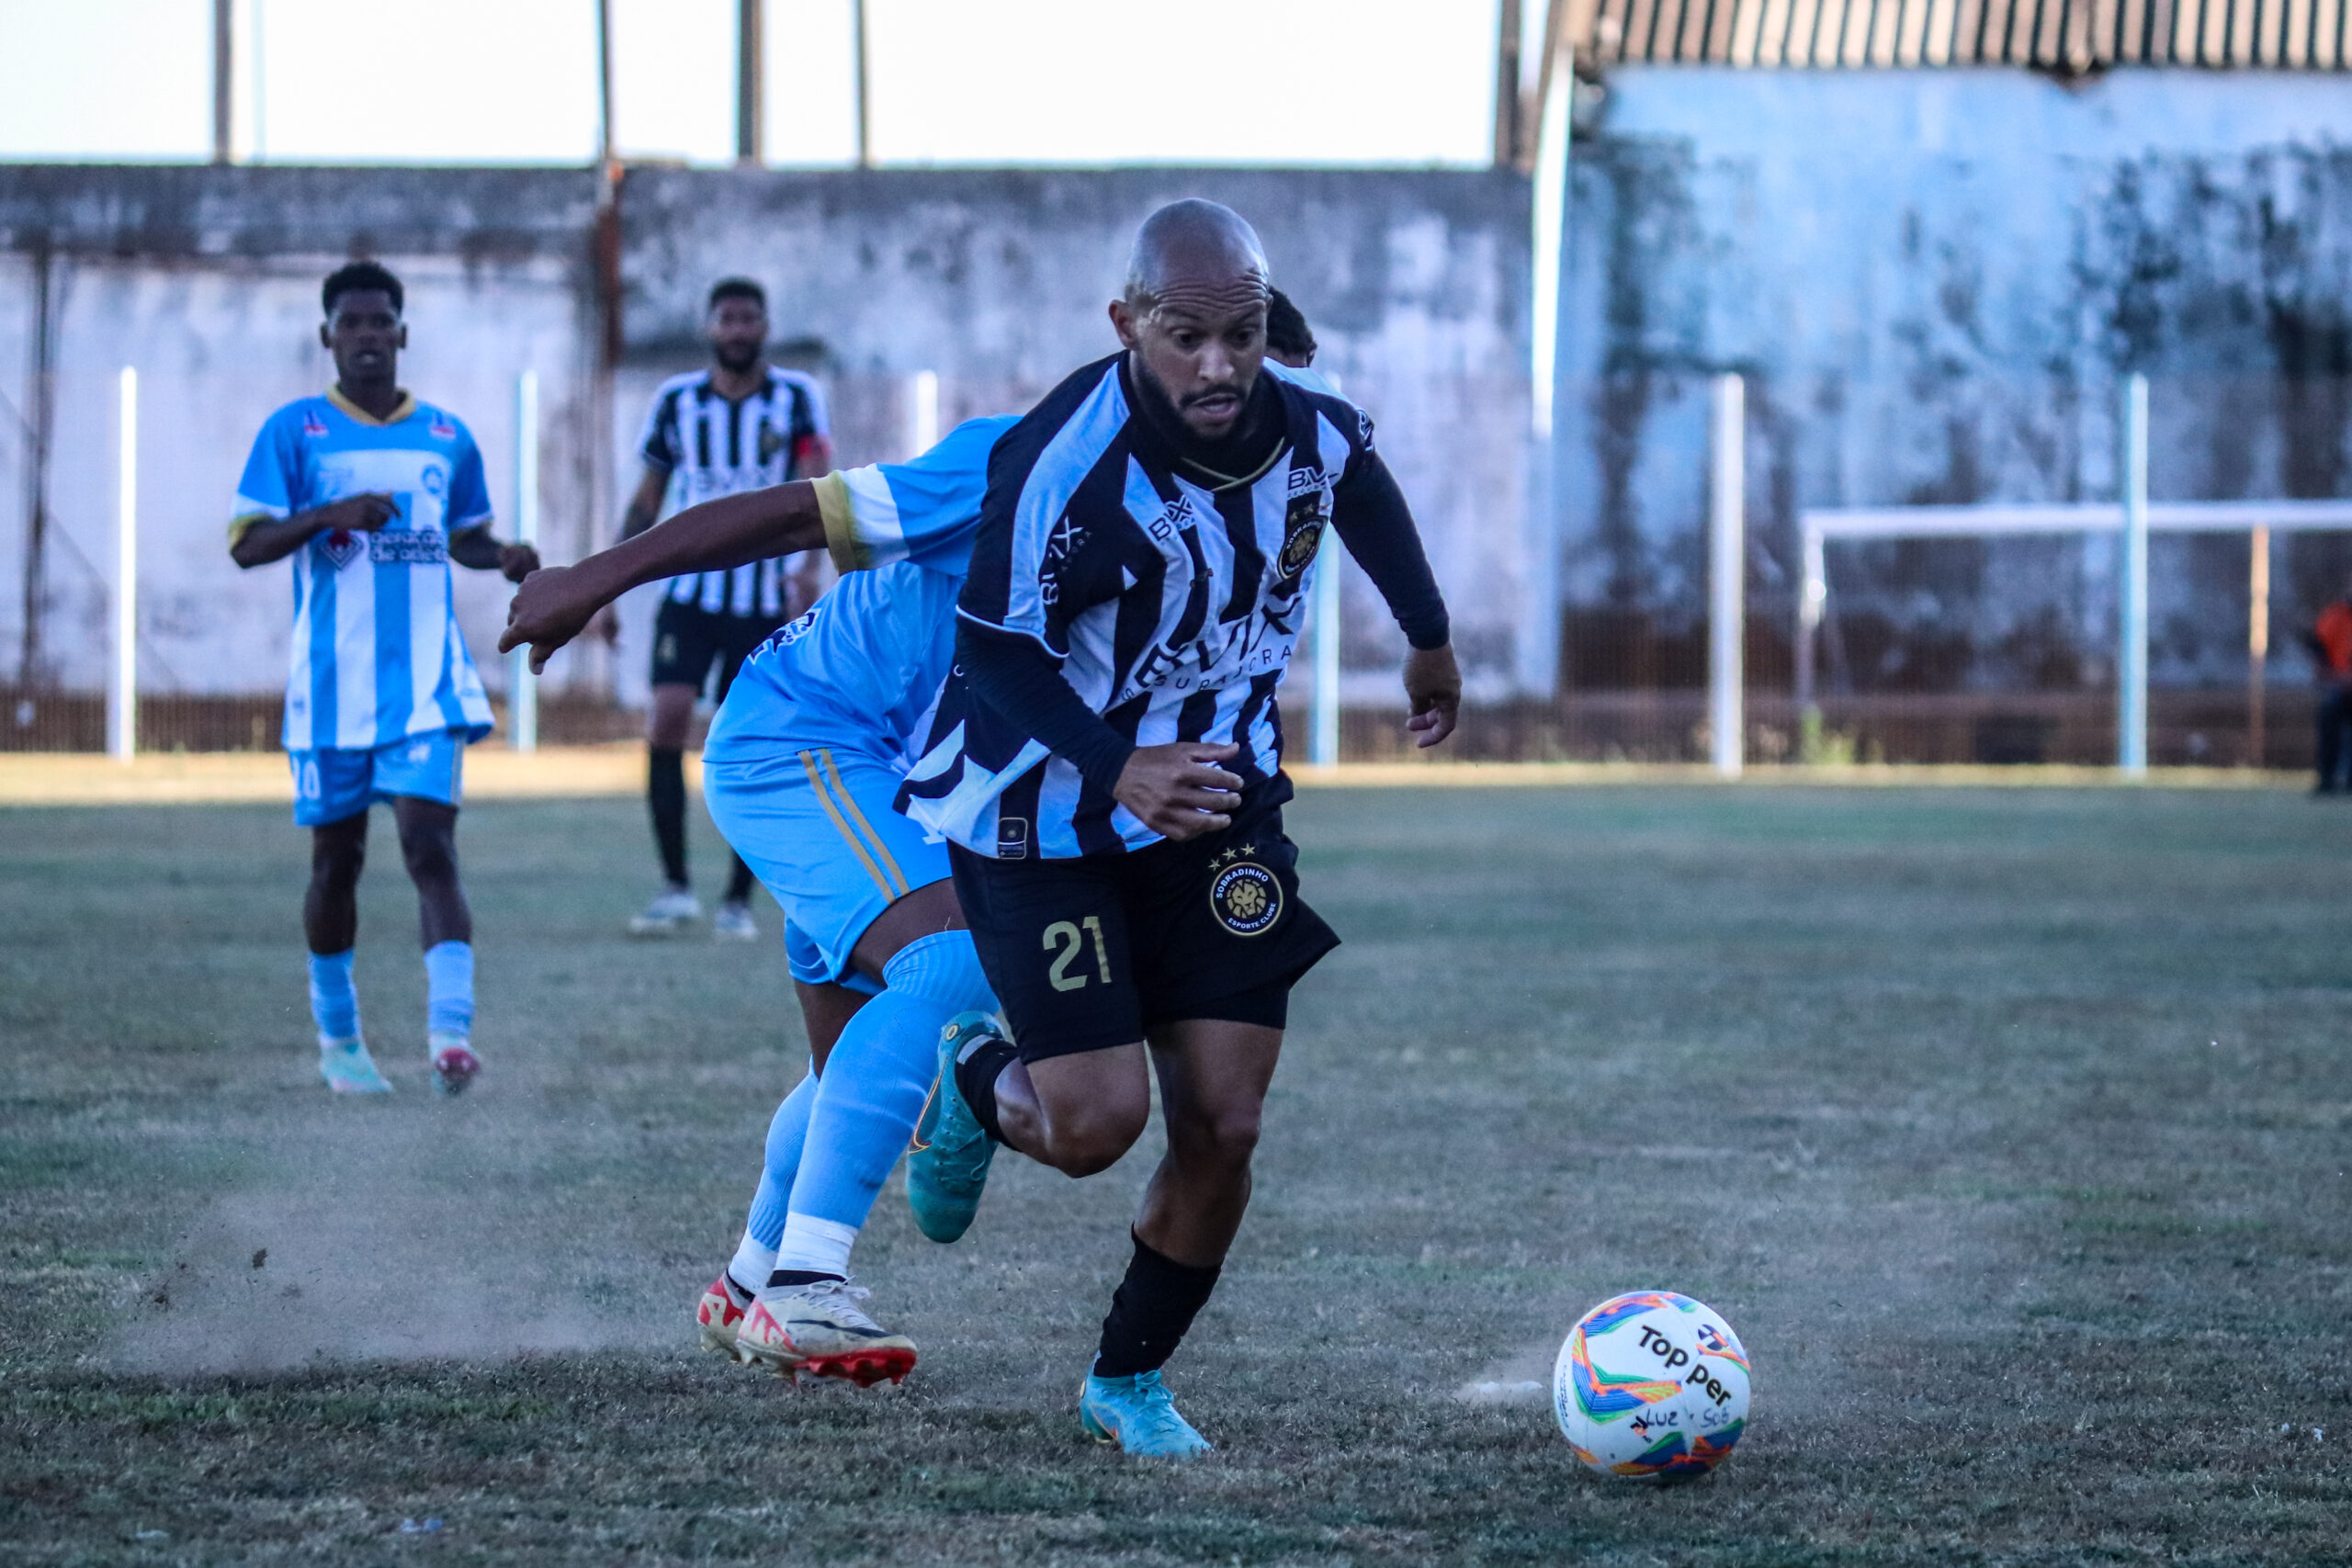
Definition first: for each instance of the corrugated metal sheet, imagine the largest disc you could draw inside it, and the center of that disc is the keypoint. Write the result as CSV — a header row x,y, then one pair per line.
x,y
2067,35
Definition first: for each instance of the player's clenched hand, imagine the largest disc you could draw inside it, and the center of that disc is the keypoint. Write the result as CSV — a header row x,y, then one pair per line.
x,y
356,513
548,611
1178,790
516,562
1434,688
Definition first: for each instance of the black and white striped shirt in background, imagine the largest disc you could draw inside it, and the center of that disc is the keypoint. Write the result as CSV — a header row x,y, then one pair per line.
x,y
710,447
1172,608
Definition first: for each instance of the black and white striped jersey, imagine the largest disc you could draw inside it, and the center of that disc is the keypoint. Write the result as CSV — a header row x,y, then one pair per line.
x,y
710,447
1172,607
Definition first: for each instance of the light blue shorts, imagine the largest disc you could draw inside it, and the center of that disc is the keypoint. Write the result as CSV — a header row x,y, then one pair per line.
x,y
330,784
817,828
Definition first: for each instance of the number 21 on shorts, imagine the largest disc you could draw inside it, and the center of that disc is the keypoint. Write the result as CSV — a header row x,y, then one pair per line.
x,y
1067,942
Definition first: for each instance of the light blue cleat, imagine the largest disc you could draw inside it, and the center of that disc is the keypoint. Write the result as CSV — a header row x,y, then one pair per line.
x,y
1137,1414
948,1164
349,1069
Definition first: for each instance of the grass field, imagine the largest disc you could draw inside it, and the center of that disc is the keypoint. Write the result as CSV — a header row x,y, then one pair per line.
x,y
2010,1128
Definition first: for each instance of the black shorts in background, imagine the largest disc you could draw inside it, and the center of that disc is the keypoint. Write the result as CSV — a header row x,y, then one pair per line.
x,y
688,639
1094,951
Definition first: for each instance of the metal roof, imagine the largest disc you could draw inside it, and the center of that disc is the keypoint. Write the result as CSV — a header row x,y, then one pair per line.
x,y
2071,36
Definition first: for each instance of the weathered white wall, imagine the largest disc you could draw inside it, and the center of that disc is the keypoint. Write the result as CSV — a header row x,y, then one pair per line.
x,y
1934,282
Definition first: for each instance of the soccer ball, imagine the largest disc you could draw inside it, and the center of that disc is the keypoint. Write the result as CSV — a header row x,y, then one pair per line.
x,y
1651,1385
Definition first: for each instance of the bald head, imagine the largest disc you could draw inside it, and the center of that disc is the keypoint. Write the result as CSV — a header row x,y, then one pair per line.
x,y
1192,316
1193,245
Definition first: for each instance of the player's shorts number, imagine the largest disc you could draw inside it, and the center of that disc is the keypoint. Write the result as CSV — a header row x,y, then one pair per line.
x,y
306,779
1065,935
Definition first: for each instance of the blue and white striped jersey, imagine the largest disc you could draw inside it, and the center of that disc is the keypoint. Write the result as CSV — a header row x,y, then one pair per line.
x,y
858,671
712,447
1173,607
377,656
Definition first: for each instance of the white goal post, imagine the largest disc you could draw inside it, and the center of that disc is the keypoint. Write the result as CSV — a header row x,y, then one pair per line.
x,y
2134,517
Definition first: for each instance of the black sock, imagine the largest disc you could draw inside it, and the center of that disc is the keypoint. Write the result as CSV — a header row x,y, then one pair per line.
x,y
738,883
665,793
785,1278
1154,1306
976,1073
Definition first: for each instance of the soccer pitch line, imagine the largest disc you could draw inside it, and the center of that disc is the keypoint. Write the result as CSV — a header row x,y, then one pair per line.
x,y
493,773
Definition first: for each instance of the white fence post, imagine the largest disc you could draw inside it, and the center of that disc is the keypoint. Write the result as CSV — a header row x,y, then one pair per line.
x,y
1538,653
122,689
1727,579
523,689
1323,745
2131,661
922,412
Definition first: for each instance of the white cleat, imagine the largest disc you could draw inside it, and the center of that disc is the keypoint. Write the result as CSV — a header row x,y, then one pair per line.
x,y
349,1069
733,922
667,916
719,1315
818,1329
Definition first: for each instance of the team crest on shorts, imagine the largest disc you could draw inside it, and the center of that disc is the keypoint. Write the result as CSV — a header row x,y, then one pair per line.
x,y
1246,898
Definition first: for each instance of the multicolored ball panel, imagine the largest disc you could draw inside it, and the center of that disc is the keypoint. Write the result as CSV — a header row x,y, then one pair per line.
x,y
1651,1385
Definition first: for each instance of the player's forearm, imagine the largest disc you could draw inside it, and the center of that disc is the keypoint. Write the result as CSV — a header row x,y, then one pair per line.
x,y
733,530
1376,527
476,548
275,538
1020,680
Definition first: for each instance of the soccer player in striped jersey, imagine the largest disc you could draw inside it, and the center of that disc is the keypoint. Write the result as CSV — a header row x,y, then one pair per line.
x,y
1106,762
799,770
740,425
373,494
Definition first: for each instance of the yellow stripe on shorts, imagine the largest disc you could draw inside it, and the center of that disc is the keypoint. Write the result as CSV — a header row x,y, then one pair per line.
x,y
840,825
849,804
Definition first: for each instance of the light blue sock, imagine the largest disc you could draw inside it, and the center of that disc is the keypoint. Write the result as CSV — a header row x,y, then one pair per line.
x,y
450,989
875,1084
787,1131
334,1001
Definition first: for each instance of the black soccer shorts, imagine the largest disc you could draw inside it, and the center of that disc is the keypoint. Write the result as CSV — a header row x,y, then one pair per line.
x,y
1095,951
688,639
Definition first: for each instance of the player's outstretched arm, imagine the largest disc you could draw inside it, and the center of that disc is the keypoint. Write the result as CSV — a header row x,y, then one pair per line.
x,y
556,604
266,539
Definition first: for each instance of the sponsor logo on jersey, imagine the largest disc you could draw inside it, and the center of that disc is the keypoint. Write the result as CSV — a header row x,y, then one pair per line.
x,y
1246,898
1013,837
792,631
771,443
313,427
441,429
341,548
407,547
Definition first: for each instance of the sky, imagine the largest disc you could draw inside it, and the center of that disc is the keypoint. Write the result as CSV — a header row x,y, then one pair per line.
x,y
1405,82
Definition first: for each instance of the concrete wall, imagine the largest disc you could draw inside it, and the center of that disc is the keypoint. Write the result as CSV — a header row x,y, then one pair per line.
x,y
1934,283
995,281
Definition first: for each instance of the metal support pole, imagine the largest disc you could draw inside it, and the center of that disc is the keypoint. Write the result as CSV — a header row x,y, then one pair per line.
x,y
864,85
1323,745
749,85
522,687
1539,645
2257,644
122,691
223,79
2131,657
1727,578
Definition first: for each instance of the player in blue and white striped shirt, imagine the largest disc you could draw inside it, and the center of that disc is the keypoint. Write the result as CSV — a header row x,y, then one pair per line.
x,y
373,494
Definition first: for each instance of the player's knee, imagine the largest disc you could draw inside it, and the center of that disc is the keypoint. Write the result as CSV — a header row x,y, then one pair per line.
x,y
1216,1135
431,856
337,862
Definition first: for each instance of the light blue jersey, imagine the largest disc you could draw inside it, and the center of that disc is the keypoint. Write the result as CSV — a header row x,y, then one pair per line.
x,y
377,656
858,671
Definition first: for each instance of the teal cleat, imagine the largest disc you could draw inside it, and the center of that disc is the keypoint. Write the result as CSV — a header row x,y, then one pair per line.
x,y
947,1165
349,1069
1137,1414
